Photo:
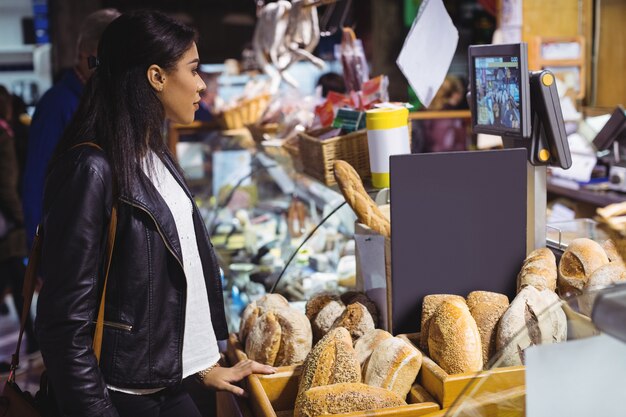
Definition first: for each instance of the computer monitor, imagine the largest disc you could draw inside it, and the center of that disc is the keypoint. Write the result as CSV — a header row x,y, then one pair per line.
x,y
613,130
500,90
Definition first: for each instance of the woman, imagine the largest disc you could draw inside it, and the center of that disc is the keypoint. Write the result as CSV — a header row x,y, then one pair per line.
x,y
164,309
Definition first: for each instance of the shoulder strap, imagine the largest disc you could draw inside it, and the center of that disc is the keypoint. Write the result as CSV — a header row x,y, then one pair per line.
x,y
30,280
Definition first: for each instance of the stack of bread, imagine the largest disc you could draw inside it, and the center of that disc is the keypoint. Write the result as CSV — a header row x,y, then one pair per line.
x,y
274,333
352,310
333,380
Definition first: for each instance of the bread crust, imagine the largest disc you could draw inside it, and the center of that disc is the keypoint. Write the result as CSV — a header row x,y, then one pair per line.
x,y
393,365
264,340
429,306
356,319
581,258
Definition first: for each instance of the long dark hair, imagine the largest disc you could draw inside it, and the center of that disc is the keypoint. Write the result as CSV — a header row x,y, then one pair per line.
x,y
119,110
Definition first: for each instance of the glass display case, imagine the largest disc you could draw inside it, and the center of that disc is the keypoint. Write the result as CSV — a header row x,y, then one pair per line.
x,y
273,229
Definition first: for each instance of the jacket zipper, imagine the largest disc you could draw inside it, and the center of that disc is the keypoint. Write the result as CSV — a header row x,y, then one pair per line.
x,y
119,326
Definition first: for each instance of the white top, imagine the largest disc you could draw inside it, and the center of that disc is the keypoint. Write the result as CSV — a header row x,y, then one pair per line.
x,y
200,349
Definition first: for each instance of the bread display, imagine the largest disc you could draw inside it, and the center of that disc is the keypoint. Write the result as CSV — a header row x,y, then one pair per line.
x,y
487,308
345,398
351,297
393,365
429,305
534,317
356,319
364,207
368,342
581,258
323,310
539,270
453,338
611,251
606,275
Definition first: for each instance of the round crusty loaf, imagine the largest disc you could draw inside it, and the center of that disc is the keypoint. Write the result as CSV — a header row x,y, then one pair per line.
x,y
296,337
255,309
331,361
322,311
453,338
487,315
611,251
345,398
539,270
366,344
534,317
263,341
356,319
581,258
606,275
394,365
351,297
429,305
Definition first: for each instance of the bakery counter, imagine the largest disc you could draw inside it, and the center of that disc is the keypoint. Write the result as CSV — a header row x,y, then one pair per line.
x,y
596,198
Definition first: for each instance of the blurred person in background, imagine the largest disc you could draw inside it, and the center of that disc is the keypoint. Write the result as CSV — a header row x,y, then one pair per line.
x,y
54,112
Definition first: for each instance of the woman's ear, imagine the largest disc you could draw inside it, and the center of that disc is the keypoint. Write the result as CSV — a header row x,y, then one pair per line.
x,y
156,77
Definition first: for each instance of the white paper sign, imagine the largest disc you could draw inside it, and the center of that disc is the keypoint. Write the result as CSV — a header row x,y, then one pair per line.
x,y
579,378
372,263
428,50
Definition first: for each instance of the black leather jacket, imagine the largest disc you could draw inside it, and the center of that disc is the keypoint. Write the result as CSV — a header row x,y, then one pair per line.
x,y
146,291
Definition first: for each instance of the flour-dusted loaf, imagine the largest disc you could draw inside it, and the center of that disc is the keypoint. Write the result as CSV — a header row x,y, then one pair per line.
x,y
366,344
539,270
606,275
255,309
393,365
429,305
534,317
487,308
611,251
264,339
323,310
331,361
296,337
352,297
356,319
453,338
364,207
345,398
581,258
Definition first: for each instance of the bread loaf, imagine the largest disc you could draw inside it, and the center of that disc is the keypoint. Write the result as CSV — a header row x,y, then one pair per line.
x,y
539,270
366,344
539,314
323,310
478,297
296,337
345,398
581,258
364,207
453,338
356,319
429,305
351,297
263,341
611,251
487,315
606,275
256,308
394,365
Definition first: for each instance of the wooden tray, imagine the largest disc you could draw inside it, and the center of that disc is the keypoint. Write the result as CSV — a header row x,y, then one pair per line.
x,y
275,395
446,388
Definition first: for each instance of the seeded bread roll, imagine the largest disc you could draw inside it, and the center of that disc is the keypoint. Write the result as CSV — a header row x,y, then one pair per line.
x,y
539,270
323,310
368,342
487,316
351,297
394,365
296,337
264,339
539,314
606,275
345,398
356,319
429,305
364,207
611,251
453,338
331,361
581,258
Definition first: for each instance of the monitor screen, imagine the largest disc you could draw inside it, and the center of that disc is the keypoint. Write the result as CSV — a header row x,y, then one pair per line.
x,y
498,92
499,89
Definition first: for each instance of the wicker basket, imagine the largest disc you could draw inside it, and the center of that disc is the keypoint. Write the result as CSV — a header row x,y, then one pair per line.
x,y
318,155
246,112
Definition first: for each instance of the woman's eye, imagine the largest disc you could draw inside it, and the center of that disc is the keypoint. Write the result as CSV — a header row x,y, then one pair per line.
x,y
194,71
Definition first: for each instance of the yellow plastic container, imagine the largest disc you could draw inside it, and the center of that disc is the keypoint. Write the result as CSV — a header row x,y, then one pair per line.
x,y
387,134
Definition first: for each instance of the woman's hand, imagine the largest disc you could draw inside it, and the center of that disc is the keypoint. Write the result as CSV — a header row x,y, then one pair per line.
x,y
222,379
